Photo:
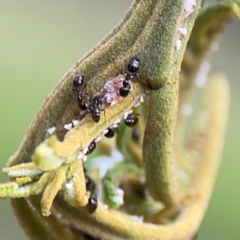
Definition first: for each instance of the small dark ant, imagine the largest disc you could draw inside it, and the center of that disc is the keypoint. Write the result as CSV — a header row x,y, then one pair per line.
x,y
133,67
78,83
90,184
131,120
124,91
80,100
92,204
110,133
92,200
94,107
91,148
95,113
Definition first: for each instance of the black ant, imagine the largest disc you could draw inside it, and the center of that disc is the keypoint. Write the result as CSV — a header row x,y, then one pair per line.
x,y
78,83
92,204
110,133
80,100
133,67
94,107
131,120
95,112
90,184
91,148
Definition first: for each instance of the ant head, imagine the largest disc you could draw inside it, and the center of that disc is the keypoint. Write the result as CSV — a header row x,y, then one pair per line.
x,y
78,80
134,65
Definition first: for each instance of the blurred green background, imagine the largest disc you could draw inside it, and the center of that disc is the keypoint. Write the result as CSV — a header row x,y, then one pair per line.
x,y
41,40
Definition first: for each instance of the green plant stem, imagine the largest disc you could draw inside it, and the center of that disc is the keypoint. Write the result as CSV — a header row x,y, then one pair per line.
x,y
208,26
158,144
158,138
